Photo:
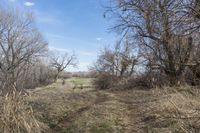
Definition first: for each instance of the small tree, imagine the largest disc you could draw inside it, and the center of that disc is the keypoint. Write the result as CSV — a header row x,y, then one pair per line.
x,y
61,61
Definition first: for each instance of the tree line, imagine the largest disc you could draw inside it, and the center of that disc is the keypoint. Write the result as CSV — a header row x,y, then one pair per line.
x,y
25,59
159,42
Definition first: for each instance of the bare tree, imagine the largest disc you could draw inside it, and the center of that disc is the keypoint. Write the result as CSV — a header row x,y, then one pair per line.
x,y
194,8
164,29
37,74
61,61
119,62
20,43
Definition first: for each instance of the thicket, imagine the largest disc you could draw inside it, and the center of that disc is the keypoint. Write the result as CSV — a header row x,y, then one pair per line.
x,y
159,44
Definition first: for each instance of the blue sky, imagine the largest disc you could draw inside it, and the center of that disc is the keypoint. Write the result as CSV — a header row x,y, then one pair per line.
x,y
71,25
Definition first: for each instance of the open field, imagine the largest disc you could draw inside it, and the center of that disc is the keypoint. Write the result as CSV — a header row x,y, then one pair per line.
x,y
67,110
80,82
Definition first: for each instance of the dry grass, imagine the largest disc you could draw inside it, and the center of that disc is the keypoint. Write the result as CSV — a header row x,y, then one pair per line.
x,y
16,116
174,110
87,110
63,109
83,110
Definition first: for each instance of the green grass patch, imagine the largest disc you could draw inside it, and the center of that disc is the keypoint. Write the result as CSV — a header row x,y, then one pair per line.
x,y
80,81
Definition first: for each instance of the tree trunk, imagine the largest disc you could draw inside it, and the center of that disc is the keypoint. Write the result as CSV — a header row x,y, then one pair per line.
x,y
174,80
56,76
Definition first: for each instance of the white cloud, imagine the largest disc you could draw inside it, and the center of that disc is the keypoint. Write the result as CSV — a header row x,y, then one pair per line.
x,y
99,38
59,49
29,4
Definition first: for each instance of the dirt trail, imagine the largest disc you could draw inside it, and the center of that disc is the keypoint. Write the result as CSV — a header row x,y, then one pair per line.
x,y
132,101
73,115
94,111
66,110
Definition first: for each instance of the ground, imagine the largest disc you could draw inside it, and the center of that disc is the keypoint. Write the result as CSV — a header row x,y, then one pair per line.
x,y
69,109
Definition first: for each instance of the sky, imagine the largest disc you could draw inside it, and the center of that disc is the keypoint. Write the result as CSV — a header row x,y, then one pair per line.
x,y
71,26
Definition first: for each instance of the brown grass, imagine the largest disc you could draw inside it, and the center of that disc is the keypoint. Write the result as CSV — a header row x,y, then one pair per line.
x,y
174,110
88,110
16,116
82,110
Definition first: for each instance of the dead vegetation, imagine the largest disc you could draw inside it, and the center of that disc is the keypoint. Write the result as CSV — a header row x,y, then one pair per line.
x,y
59,108
81,110
87,110
17,116
174,110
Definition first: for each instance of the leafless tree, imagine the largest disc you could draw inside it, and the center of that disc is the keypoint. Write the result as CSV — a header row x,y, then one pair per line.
x,y
37,74
61,61
20,44
119,62
194,8
164,29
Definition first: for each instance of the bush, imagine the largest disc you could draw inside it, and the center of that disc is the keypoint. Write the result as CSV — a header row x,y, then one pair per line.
x,y
146,80
16,116
128,83
105,81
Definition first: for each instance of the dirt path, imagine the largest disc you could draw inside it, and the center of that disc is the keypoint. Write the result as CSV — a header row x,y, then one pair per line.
x,y
66,110
131,118
92,111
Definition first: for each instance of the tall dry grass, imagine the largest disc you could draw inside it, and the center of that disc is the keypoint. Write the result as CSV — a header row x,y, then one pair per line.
x,y
16,115
175,110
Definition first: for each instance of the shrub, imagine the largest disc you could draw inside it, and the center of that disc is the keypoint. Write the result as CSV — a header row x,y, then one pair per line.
x,y
128,83
105,81
146,80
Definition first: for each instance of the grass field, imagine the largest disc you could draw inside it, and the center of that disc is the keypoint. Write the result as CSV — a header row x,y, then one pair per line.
x,y
66,110
80,81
